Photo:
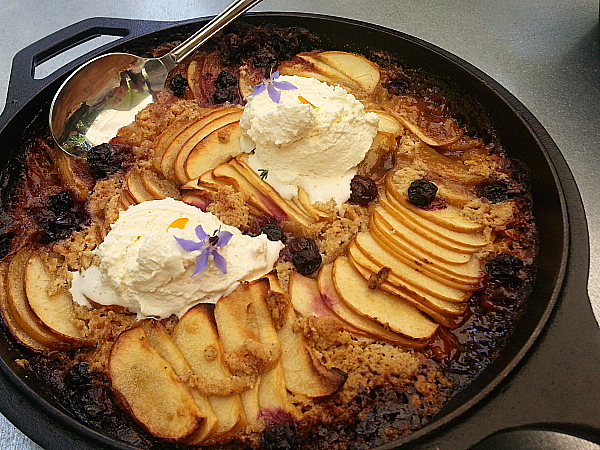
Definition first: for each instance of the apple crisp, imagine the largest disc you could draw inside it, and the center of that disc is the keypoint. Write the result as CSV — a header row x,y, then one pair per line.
x,y
376,312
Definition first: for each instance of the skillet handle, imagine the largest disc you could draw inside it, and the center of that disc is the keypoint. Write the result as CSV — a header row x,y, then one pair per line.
x,y
23,86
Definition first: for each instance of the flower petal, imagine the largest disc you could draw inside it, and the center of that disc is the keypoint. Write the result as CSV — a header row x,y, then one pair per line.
x,y
224,238
259,88
273,93
188,245
201,233
275,75
284,85
202,261
219,261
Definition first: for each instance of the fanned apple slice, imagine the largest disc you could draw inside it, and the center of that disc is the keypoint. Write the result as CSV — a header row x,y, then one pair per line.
x,y
417,282
311,210
15,329
54,311
216,148
21,311
136,188
327,70
436,131
388,123
426,245
176,142
217,123
74,173
366,271
356,67
196,337
149,389
449,218
373,329
303,372
160,341
165,139
159,188
391,312
126,199
398,240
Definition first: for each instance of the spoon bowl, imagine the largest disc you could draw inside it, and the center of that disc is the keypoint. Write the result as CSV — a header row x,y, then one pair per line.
x,y
108,91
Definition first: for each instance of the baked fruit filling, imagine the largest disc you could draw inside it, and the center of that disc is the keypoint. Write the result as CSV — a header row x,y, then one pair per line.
x,y
289,248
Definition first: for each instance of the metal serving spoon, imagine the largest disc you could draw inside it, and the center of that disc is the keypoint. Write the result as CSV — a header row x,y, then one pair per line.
x,y
105,93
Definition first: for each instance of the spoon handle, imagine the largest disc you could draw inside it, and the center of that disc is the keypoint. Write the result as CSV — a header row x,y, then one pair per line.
x,y
233,11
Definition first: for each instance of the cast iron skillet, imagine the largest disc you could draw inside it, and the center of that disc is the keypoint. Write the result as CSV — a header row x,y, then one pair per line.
x,y
546,377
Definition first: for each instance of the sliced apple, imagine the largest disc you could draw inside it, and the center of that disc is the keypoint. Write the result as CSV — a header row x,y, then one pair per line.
x,y
216,148
433,130
398,241
449,217
357,67
306,298
217,123
196,337
391,312
136,188
158,187
19,305
149,389
159,339
373,329
418,282
176,143
74,173
388,218
55,311
326,70
273,401
316,214
388,123
5,310
165,139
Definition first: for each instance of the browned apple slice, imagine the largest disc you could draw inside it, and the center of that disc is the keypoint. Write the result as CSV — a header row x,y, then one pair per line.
x,y
327,71
304,374
306,298
159,339
21,311
217,123
196,337
158,187
356,67
149,389
421,241
399,241
425,286
55,311
136,188
391,312
301,68
373,329
15,329
392,287
316,214
437,131
448,218
174,147
166,138
74,173
216,148
126,199
292,210
388,123
273,401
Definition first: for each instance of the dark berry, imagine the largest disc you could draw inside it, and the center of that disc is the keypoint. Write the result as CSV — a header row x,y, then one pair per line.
x,y
231,48
105,159
495,192
302,243
178,85
61,203
274,232
225,80
224,95
264,58
503,268
279,437
307,261
421,193
363,190
78,374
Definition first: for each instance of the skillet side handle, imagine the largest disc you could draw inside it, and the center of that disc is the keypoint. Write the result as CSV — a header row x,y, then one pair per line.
x,y
22,84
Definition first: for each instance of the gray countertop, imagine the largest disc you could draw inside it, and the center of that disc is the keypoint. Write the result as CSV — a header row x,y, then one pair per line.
x,y
546,52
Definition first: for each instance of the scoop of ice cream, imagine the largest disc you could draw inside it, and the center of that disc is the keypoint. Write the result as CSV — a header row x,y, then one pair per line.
x,y
314,137
146,270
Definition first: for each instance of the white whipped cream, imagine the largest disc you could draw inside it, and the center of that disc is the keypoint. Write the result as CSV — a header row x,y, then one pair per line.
x,y
144,269
317,146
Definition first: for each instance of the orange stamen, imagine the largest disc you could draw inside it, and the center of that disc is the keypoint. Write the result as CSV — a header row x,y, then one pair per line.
x,y
306,102
179,223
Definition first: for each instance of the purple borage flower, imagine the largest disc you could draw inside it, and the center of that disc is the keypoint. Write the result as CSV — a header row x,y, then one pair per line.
x,y
208,245
271,85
